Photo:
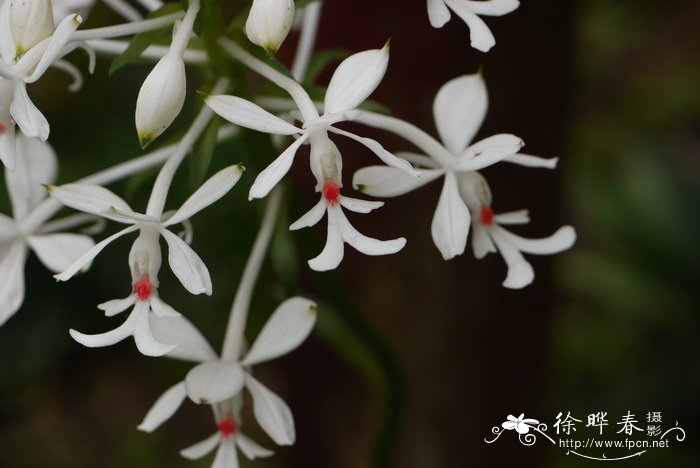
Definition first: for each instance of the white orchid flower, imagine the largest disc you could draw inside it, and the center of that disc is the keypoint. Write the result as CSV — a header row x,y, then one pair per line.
x,y
36,165
184,262
459,110
18,70
353,81
269,22
480,35
216,382
521,424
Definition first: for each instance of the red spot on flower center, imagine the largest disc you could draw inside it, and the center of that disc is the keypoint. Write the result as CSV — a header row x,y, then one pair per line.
x,y
486,216
227,426
2,128
331,191
143,288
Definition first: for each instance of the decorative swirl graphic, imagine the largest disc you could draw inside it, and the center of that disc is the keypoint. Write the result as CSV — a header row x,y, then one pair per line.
x,y
494,430
679,437
522,426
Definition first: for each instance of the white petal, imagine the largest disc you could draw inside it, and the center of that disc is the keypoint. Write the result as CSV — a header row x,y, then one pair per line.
x,y
450,225
80,263
200,449
226,455
561,240
59,251
271,175
246,114
108,338
12,273
165,406
355,79
513,217
493,7
419,160
161,309
271,412
359,206
481,241
480,35
54,51
250,448
379,150
459,109
332,253
117,306
362,243
532,161
8,154
213,189
29,119
488,151
192,346
385,181
214,381
127,217
146,343
8,48
520,272
286,329
36,164
186,264
91,199
438,13
311,217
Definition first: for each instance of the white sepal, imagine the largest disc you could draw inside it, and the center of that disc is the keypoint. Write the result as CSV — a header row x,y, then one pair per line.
x,y
249,115
272,174
269,22
200,449
480,35
59,251
165,406
192,346
362,243
28,118
459,109
214,381
187,266
311,217
271,412
386,181
250,448
92,199
31,21
438,13
12,286
450,225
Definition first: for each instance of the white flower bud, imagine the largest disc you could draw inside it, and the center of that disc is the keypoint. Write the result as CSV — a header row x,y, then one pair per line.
x,y
269,22
161,98
31,21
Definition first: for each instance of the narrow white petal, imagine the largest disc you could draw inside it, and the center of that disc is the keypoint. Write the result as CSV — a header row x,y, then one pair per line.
x,y
359,206
91,199
532,161
117,306
8,154
246,114
192,346
362,243
146,343
160,308
332,253
226,455
12,273
86,258
186,264
285,330
250,448
561,240
379,150
311,217
513,217
36,164
481,241
419,160
271,412
54,51
459,109
272,174
493,7
200,449
488,151
450,225
59,251
385,181
355,79
520,272
480,35
127,217
29,119
108,338
438,13
214,381
165,406
213,189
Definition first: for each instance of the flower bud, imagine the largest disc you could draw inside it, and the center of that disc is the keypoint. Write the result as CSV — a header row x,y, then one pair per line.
x,y
161,98
269,22
31,21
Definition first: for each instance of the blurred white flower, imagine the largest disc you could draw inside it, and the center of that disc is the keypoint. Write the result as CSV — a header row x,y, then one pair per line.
x,y
31,21
480,34
269,22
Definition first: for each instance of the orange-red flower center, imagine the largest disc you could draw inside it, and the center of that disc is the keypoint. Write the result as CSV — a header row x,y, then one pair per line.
x,y
331,191
2,127
486,216
227,427
143,288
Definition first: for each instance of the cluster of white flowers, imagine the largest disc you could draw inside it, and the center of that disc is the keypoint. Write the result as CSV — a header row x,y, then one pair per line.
x,y
36,35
